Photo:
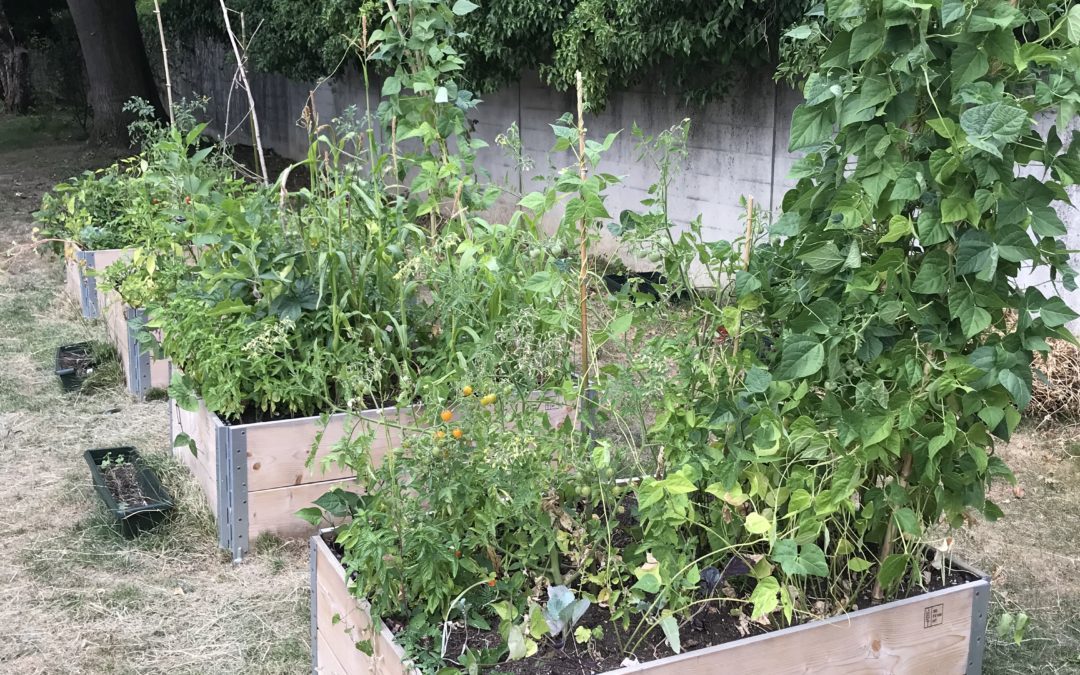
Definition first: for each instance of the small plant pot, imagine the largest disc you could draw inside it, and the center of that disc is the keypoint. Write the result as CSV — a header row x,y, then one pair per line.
x,y
74,363
151,503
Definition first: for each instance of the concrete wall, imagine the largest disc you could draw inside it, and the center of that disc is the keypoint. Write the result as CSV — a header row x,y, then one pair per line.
x,y
737,146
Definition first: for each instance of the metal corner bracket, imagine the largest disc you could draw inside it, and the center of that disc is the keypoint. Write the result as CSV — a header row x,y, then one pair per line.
x,y
138,358
980,614
313,564
87,285
232,512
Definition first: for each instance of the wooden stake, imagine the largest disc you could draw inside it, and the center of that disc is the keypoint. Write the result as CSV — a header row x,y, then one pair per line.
x,y
890,530
242,72
165,60
584,236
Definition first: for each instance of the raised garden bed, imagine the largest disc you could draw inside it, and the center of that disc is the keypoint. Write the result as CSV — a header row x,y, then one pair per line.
x,y
131,492
142,372
941,632
80,281
74,363
256,476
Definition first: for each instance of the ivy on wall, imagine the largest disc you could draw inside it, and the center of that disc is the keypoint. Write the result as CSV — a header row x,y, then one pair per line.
x,y
692,47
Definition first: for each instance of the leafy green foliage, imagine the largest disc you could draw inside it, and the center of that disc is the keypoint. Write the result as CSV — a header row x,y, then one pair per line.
x,y
699,47
346,293
912,219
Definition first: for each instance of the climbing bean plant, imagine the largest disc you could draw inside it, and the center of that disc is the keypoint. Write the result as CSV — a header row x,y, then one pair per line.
x,y
934,136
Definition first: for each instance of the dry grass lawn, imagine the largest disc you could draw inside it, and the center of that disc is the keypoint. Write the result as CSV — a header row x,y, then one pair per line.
x,y
74,596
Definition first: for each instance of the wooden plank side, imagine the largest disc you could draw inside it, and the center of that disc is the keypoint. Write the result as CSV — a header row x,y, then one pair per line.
x,y
353,625
929,634
102,260
274,510
159,373
327,661
112,308
203,465
116,329
72,276
278,451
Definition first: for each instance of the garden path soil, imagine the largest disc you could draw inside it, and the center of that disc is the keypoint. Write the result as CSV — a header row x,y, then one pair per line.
x,y
77,598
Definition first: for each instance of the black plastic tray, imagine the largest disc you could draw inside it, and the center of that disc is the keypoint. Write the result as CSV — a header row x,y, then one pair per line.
x,y
132,520
70,380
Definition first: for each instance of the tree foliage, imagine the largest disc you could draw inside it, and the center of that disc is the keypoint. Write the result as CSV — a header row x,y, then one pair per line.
x,y
692,47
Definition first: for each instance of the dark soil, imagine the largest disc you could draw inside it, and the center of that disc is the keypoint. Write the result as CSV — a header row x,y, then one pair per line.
x,y
719,622
123,482
715,623
80,359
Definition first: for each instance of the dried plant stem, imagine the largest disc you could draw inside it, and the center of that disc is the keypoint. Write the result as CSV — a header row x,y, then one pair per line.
x,y
165,61
393,146
890,530
584,237
242,73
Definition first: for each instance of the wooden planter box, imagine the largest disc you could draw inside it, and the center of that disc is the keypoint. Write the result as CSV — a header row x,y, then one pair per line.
x,y
255,476
80,284
142,371
942,633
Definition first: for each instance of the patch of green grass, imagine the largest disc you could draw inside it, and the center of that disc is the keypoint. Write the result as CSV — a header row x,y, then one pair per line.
x,y
156,394
18,132
1050,646
288,655
125,596
108,371
268,543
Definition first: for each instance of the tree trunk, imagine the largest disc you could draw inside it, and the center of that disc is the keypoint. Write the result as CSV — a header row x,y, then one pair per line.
x,y
14,69
116,65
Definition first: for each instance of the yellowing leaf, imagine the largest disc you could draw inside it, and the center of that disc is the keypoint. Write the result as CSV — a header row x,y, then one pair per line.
x,y
757,523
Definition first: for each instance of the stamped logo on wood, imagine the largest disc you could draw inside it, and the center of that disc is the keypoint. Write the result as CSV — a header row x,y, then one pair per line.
x,y
933,615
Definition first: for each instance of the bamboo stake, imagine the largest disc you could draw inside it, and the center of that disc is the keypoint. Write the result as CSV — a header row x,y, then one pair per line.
x,y
748,244
890,531
242,72
165,60
583,272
